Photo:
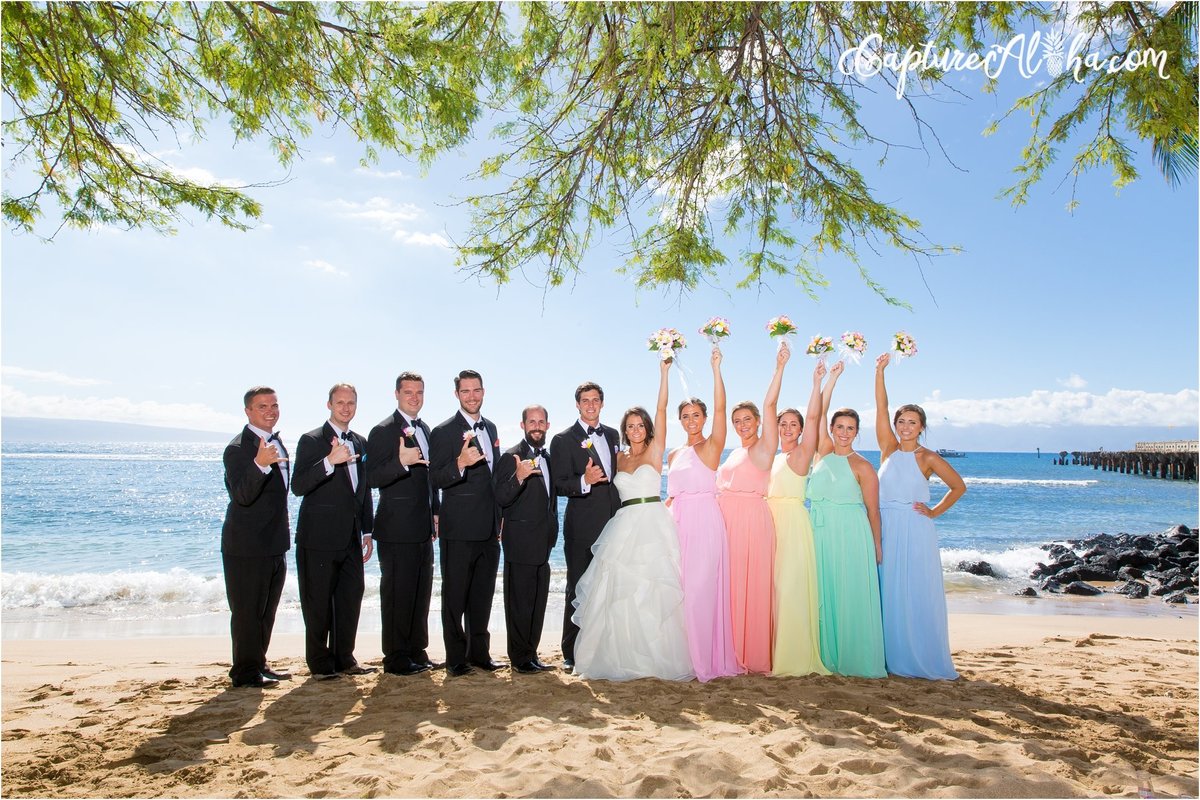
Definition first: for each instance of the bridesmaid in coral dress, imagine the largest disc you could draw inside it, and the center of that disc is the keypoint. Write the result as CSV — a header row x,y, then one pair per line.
x,y
704,549
797,635
742,495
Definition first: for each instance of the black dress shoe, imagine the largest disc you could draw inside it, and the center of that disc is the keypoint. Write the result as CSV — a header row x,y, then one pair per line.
x,y
568,665
489,665
458,670
544,667
434,664
255,682
358,669
408,669
527,668
325,676
275,675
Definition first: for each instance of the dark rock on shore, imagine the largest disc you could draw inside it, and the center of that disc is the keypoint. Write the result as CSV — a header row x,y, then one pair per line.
x,y
1028,591
1134,589
976,568
1163,565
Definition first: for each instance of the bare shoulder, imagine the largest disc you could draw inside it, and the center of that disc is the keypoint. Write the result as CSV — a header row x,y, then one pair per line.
x,y
859,464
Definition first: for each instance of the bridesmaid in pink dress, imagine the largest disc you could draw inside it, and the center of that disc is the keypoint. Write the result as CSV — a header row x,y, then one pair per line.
x,y
703,548
742,495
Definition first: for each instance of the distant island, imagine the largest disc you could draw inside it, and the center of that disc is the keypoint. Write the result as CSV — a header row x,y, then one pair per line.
x,y
36,429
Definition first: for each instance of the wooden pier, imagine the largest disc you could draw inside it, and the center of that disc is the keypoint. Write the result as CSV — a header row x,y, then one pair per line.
x,y
1173,460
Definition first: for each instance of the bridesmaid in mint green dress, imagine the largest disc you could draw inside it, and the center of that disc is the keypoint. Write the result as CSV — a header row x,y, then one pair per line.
x,y
844,491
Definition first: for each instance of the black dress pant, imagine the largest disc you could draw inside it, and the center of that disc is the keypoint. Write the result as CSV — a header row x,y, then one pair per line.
x,y
578,553
526,590
468,586
331,591
253,586
405,588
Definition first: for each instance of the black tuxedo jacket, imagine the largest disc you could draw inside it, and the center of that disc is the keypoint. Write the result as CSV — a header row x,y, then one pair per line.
x,y
332,514
468,510
408,500
256,521
586,513
528,511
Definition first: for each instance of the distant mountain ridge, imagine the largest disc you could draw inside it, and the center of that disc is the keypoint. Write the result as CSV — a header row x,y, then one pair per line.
x,y
37,429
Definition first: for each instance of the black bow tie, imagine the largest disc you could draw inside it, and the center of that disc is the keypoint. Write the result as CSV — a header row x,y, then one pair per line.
x,y
344,436
274,437
592,431
416,422
537,452
479,426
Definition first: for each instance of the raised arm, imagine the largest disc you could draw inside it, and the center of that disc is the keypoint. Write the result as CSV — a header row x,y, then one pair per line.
x,y
868,481
659,445
825,442
888,443
711,448
800,459
763,451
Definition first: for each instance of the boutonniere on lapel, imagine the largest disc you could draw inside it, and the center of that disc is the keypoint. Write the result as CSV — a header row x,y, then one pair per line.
x,y
410,432
469,433
586,443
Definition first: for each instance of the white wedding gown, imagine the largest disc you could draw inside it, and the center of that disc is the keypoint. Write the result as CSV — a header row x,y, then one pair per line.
x,y
629,602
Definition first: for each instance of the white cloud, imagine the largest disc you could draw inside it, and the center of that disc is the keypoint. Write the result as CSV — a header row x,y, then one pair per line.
x,y
422,239
1116,408
326,267
386,174
196,416
391,217
328,159
1073,381
42,376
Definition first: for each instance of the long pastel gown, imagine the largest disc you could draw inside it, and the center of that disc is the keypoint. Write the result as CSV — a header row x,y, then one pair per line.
x,y
704,554
629,602
847,576
915,636
797,634
741,494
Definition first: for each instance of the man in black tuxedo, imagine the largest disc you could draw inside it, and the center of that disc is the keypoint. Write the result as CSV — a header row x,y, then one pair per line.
x,y
333,537
583,459
528,531
405,527
463,452
255,537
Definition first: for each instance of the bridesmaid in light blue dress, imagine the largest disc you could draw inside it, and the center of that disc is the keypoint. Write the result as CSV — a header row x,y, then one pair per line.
x,y
915,638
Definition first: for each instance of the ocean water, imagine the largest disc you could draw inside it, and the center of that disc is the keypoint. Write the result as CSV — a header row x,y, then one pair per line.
x,y
130,533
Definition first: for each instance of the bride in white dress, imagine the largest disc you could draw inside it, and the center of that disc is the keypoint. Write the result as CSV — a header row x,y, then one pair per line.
x,y
629,602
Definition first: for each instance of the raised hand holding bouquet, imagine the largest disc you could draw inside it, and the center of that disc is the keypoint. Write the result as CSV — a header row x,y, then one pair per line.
x,y
903,345
716,329
854,345
666,341
780,328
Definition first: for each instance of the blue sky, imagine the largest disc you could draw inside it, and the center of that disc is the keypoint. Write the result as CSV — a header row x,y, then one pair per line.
x,y
1050,329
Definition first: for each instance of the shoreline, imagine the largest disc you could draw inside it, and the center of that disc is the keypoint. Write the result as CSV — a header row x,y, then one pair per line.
x,y
1046,706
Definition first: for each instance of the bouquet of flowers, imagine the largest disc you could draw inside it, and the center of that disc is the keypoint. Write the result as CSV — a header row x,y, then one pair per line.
x,y
716,329
820,346
780,328
666,341
903,345
854,345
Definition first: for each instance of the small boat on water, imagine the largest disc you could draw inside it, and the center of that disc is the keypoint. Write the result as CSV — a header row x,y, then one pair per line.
x,y
951,454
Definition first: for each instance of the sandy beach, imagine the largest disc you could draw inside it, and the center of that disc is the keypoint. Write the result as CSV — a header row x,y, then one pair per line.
x,y
1047,706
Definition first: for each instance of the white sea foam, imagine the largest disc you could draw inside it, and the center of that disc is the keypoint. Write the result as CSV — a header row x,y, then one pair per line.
x,y
1050,482
1014,563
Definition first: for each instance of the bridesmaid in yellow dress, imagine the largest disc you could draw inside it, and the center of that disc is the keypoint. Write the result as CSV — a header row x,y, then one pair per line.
x,y
797,635
742,496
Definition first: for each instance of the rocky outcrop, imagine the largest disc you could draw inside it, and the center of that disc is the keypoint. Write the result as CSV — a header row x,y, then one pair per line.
x,y
1162,565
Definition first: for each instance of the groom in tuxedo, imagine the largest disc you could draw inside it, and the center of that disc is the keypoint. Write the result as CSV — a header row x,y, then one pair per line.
x,y
405,527
583,460
463,454
255,537
333,537
529,529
